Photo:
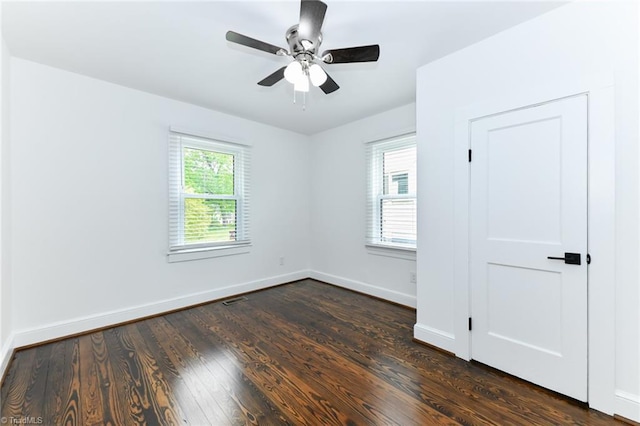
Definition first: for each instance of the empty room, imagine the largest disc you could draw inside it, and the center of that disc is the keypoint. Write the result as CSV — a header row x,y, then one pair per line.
x,y
313,212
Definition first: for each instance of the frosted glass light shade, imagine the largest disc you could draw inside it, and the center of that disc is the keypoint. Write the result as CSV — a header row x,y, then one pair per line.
x,y
302,85
317,75
293,72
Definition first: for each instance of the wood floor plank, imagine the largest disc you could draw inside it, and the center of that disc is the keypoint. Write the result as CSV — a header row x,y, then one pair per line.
x,y
305,353
329,372
183,389
58,381
90,387
131,391
288,391
310,367
192,373
21,397
244,391
71,413
213,356
32,406
152,392
389,371
110,404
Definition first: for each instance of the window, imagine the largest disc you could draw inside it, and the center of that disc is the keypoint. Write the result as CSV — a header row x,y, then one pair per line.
x,y
401,181
391,200
208,193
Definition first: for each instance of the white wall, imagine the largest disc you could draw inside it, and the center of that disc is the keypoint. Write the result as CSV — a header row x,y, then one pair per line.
x,y
338,209
89,205
570,43
5,212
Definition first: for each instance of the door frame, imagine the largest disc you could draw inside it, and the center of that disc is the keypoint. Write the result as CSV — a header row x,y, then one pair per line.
x,y
601,220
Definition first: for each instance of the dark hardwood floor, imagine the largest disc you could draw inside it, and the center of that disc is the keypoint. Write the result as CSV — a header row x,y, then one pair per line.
x,y
304,353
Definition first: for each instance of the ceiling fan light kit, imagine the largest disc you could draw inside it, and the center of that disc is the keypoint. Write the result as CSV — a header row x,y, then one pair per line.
x,y
298,72
317,75
293,72
302,85
304,40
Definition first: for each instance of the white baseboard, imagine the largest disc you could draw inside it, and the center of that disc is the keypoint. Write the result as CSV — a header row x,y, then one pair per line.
x,y
628,405
383,293
106,319
5,354
438,338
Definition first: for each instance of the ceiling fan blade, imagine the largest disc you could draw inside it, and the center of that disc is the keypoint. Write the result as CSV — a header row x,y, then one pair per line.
x,y
273,78
234,37
311,19
352,54
329,86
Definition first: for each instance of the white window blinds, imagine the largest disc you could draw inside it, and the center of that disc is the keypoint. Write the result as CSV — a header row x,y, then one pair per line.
x,y
391,192
208,192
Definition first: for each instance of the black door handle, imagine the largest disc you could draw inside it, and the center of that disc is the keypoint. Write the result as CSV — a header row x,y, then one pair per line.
x,y
569,258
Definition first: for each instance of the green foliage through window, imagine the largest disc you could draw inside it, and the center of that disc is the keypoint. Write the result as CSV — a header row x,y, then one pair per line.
x,y
209,220
209,174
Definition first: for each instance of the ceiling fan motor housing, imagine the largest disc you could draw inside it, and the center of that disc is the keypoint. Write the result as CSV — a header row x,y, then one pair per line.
x,y
298,45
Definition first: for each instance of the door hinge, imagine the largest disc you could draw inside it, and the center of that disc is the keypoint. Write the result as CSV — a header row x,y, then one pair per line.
x,y
470,155
588,259
470,324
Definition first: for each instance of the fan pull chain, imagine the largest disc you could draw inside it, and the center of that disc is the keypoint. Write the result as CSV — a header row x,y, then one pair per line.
x,y
304,99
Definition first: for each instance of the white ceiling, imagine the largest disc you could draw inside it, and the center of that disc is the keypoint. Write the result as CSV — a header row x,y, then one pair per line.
x,y
178,49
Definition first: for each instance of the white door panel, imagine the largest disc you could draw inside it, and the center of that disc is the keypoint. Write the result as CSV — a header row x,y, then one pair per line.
x,y
529,201
536,187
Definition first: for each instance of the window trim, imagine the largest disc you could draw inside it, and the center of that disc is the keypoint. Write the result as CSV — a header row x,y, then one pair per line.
x,y
183,252
399,252
207,252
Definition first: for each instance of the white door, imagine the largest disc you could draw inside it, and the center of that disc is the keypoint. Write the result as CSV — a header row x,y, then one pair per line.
x,y
528,203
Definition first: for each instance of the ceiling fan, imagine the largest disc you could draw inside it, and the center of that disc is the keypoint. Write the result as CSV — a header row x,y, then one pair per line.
x,y
304,41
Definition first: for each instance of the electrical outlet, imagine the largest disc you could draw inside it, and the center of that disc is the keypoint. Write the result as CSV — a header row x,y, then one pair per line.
x,y
281,260
413,278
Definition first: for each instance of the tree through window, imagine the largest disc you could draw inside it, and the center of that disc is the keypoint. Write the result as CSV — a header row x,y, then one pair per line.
x,y
208,192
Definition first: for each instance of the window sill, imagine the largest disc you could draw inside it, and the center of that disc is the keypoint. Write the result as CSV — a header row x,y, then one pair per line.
x,y
206,253
406,253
